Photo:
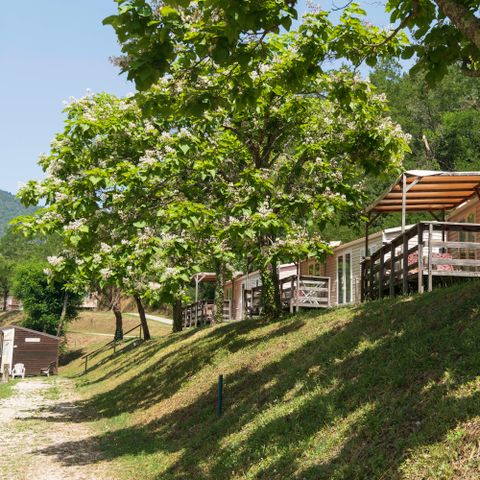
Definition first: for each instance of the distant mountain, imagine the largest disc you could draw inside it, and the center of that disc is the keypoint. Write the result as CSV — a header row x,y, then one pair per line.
x,y
10,207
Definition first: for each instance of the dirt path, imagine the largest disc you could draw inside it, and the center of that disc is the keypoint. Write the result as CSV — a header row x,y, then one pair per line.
x,y
40,431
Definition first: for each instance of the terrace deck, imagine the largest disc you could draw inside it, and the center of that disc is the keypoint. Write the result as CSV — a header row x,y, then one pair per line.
x,y
421,257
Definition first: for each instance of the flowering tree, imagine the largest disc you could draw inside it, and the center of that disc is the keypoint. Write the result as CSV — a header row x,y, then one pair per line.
x,y
221,163
86,192
281,152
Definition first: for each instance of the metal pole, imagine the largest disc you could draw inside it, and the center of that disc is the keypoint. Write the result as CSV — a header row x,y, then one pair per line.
x,y
404,201
196,288
220,396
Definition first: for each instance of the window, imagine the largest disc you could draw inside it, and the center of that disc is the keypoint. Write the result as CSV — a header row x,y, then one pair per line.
x,y
467,236
467,253
314,269
344,278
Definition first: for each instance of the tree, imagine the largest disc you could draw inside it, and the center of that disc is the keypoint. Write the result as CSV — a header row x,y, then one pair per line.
x,y
44,301
443,121
6,277
153,33
110,195
157,36
225,161
445,33
278,154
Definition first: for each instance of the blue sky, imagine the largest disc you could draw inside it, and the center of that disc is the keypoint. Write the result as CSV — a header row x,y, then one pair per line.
x,y
49,51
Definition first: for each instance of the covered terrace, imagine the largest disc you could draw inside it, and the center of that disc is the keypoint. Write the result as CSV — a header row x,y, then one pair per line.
x,y
430,251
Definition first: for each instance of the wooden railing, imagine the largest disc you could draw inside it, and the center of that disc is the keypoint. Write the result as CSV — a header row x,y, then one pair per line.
x,y
311,292
201,313
416,257
252,300
112,345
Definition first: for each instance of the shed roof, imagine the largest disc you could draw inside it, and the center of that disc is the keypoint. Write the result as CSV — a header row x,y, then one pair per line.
x,y
429,191
8,327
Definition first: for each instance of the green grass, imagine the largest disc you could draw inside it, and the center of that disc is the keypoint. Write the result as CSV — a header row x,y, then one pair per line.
x,y
6,389
53,392
385,390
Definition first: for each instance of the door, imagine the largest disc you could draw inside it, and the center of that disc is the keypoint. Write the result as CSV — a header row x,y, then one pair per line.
x,y
7,351
344,278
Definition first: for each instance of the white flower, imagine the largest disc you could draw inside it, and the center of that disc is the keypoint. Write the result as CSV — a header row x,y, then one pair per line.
x,y
55,261
183,132
48,272
75,224
59,196
150,157
106,273
154,286
104,248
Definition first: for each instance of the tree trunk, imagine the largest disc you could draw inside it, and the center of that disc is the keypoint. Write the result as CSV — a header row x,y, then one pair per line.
x,y
276,288
5,299
118,321
63,314
270,293
462,18
143,318
177,316
219,292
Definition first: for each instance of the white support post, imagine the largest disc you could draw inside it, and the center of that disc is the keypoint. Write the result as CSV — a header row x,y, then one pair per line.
x,y
298,287
430,254
404,201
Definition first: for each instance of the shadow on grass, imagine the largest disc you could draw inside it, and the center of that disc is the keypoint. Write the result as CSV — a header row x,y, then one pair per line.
x,y
70,355
345,395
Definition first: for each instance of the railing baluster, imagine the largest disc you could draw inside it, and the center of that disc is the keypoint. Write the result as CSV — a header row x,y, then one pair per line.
x,y
405,265
430,238
381,275
392,270
420,258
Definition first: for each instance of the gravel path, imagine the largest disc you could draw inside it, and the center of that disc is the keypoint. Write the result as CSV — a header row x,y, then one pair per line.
x,y
154,318
40,431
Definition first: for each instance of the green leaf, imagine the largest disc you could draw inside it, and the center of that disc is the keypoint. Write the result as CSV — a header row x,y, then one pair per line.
x,y
94,179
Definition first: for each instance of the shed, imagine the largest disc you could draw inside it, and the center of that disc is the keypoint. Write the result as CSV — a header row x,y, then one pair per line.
x,y
36,350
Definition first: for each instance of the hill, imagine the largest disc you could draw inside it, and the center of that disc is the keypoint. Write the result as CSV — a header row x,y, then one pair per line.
x,y
10,207
386,390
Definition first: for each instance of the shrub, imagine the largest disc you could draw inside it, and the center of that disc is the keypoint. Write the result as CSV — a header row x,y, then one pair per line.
x,y
42,299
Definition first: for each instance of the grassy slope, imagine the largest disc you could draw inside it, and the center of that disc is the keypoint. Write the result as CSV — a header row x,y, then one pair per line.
x,y
11,318
390,389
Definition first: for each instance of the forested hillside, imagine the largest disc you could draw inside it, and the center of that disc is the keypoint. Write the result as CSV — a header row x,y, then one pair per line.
x,y
10,207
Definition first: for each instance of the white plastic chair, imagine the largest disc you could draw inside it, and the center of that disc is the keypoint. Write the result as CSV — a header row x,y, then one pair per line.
x,y
18,370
